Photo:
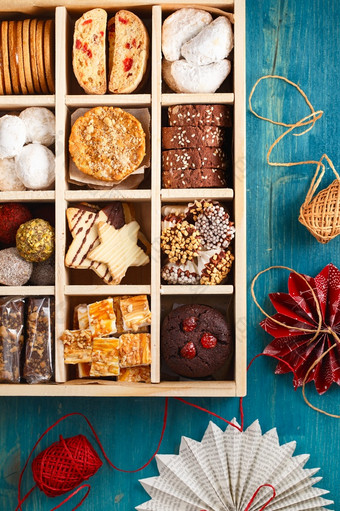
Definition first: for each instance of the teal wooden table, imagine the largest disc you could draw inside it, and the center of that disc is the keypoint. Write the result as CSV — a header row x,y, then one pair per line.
x,y
298,39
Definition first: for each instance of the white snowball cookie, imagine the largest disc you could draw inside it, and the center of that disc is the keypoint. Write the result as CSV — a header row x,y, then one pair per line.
x,y
12,136
179,27
213,43
35,167
9,182
40,125
181,76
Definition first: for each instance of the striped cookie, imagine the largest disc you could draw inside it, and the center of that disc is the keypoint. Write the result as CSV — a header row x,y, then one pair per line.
x,y
20,55
13,61
27,55
39,43
49,54
5,57
33,51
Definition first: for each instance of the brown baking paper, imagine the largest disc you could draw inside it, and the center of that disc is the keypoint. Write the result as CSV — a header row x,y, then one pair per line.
x,y
133,180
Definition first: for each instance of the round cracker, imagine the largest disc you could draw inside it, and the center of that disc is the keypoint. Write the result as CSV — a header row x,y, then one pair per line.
x,y
27,55
13,63
20,56
33,51
39,54
2,83
49,54
5,57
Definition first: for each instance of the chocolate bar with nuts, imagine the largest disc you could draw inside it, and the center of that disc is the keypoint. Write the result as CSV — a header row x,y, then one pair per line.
x,y
38,367
11,338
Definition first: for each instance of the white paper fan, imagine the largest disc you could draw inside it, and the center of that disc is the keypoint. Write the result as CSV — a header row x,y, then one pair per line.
x,y
224,470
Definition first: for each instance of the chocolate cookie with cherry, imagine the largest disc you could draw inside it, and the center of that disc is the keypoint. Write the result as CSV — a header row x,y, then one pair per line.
x,y
195,340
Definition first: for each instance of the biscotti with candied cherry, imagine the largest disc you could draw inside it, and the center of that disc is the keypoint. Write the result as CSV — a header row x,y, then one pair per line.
x,y
89,51
128,52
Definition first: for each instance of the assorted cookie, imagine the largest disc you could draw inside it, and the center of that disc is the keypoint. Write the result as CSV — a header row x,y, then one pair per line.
x,y
128,45
196,341
27,57
30,166
105,240
194,243
194,146
195,48
110,338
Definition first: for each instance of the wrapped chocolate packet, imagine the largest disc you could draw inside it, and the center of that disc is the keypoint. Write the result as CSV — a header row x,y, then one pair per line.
x,y
11,337
38,367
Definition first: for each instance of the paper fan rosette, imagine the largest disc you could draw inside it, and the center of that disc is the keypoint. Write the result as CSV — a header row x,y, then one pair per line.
x,y
295,341
224,471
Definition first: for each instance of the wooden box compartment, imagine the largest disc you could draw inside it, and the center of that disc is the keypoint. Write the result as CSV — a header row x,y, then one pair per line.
x,y
78,286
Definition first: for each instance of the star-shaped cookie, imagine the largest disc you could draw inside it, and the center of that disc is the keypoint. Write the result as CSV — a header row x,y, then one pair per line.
x,y
118,249
83,224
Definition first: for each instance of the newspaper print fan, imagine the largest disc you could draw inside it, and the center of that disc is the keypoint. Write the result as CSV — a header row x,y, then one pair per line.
x,y
224,470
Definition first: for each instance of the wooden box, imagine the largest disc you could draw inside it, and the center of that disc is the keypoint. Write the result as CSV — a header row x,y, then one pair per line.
x,y
71,289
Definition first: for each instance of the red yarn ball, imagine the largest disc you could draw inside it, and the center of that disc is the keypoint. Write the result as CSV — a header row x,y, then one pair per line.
x,y
64,465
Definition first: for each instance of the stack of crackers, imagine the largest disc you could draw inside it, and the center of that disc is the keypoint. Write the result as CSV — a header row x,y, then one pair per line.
x,y
27,57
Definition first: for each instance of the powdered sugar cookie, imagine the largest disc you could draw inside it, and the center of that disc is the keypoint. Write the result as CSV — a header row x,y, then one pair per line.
x,y
12,136
9,182
35,166
40,125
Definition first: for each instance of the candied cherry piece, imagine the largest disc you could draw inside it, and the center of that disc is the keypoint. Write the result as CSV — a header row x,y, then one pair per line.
x,y
127,63
188,350
189,324
208,340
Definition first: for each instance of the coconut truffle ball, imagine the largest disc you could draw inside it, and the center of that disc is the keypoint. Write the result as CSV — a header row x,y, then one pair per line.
x,y
9,182
43,273
35,240
12,136
35,167
40,125
14,270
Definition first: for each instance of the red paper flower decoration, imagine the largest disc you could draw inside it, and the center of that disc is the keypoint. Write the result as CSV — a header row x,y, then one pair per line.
x,y
299,310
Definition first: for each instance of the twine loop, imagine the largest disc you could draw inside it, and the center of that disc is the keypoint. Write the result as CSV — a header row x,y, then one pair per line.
x,y
320,214
315,331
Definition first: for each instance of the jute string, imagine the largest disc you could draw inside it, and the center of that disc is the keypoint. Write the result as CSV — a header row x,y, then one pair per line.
x,y
320,214
316,331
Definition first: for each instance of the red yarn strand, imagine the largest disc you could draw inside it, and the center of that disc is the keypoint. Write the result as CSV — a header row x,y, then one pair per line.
x,y
255,495
69,497
208,411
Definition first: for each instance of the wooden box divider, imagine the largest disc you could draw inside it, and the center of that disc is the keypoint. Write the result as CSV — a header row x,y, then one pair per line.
x,y
68,287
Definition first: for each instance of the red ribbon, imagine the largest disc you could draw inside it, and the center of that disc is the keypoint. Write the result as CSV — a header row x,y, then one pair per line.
x,y
69,497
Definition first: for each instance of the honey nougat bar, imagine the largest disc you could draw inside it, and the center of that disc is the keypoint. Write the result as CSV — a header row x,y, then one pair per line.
x,y
77,346
102,318
135,374
105,357
135,312
134,350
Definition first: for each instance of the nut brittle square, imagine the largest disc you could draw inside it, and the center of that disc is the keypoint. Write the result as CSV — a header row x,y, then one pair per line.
x,y
135,312
102,318
105,357
77,346
134,350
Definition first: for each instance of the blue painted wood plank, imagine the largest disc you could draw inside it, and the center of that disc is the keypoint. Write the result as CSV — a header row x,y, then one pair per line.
x,y
298,39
